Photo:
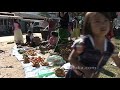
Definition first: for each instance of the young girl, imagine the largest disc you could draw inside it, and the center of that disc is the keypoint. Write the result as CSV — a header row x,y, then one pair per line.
x,y
92,51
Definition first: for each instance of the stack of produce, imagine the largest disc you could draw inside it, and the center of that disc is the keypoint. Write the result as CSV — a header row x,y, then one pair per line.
x,y
37,61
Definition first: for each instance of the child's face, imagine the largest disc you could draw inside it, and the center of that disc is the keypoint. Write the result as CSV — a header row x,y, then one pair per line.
x,y
100,25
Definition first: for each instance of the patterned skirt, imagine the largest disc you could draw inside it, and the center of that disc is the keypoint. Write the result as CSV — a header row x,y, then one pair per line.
x,y
18,38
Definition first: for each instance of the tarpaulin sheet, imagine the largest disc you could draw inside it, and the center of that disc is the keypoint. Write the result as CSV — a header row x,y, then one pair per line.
x,y
33,72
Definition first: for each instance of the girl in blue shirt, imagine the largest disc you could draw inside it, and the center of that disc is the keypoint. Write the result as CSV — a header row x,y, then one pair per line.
x,y
92,50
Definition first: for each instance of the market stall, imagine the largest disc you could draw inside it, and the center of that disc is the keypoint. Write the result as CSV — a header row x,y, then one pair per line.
x,y
38,65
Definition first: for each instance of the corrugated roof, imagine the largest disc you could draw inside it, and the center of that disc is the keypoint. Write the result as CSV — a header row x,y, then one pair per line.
x,y
7,13
30,16
10,17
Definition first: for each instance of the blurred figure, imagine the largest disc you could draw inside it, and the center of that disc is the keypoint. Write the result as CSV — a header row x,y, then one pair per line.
x,y
31,27
29,37
18,38
53,40
10,28
51,26
76,28
63,29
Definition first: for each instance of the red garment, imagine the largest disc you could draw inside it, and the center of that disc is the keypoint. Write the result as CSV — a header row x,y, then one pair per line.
x,y
53,40
44,24
16,26
70,29
52,25
110,33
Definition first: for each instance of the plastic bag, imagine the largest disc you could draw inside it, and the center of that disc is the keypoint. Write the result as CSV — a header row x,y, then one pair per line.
x,y
56,60
45,73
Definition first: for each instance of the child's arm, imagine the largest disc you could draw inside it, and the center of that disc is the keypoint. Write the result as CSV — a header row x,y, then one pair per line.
x,y
73,58
116,59
77,66
77,50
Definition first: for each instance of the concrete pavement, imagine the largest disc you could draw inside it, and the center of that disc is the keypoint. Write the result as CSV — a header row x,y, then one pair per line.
x,y
11,38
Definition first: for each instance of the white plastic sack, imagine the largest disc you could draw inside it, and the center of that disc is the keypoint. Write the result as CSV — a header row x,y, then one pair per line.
x,y
66,66
56,60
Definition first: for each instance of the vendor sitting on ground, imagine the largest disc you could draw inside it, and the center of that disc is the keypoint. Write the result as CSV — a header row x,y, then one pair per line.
x,y
52,41
29,38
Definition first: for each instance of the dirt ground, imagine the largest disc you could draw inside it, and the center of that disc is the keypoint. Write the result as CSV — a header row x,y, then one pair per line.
x,y
10,67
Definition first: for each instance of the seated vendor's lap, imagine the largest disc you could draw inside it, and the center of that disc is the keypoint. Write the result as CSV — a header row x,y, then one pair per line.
x,y
84,74
72,74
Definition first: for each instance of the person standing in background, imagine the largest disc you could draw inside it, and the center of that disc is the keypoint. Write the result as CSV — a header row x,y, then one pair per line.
x,y
51,26
76,28
31,27
63,29
18,38
10,28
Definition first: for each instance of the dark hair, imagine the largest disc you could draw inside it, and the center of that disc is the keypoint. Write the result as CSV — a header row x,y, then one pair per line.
x,y
15,20
109,15
86,24
54,33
